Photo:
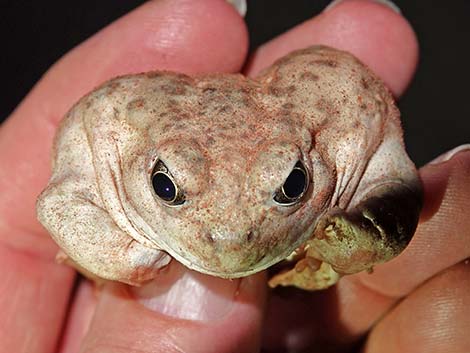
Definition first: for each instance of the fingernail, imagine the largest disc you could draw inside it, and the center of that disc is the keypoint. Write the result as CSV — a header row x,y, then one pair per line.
x,y
450,154
240,5
387,3
184,294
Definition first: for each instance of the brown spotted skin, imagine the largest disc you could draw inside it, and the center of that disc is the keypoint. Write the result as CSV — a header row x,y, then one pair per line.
x,y
229,143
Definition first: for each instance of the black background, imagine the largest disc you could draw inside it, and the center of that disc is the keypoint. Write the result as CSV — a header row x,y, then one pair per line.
x,y
435,109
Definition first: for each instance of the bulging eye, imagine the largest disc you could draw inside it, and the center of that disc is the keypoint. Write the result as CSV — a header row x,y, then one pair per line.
x,y
294,187
165,186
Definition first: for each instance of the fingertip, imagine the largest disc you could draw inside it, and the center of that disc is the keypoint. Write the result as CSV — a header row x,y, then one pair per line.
x,y
211,298
185,36
177,321
376,34
177,35
436,175
379,36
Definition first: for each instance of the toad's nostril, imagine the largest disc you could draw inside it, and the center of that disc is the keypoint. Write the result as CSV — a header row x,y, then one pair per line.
x,y
209,237
249,236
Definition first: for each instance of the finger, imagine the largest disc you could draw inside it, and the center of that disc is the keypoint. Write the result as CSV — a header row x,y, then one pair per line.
x,y
376,34
434,318
158,35
34,293
79,317
180,312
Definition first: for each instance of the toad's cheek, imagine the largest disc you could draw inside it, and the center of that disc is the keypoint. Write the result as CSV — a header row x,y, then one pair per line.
x,y
375,230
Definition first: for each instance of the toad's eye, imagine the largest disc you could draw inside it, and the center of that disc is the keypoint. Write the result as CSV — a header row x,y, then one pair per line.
x,y
165,186
294,187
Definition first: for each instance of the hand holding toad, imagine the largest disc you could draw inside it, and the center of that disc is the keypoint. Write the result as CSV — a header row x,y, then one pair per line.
x,y
221,315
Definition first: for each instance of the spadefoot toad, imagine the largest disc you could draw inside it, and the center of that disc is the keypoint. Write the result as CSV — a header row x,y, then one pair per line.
x,y
303,167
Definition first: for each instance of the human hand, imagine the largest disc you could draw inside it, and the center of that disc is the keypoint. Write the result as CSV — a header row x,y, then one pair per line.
x,y
195,313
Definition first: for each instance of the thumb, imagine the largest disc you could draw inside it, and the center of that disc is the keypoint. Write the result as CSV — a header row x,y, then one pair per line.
x,y
181,311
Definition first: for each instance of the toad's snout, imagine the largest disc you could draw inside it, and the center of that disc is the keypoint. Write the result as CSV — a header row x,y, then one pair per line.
x,y
236,245
241,237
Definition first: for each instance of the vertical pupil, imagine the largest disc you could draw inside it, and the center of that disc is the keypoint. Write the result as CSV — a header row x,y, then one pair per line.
x,y
164,186
295,183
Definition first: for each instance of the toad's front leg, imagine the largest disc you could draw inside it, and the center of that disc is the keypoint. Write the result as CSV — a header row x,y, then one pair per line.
x,y
91,238
374,231
372,227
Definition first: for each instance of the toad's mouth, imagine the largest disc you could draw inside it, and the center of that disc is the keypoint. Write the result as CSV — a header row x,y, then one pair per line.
x,y
247,264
